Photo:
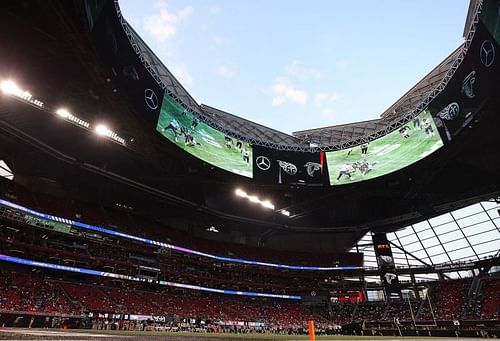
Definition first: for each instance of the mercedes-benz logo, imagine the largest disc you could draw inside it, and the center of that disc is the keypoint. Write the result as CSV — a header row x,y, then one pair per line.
x,y
263,163
487,53
151,99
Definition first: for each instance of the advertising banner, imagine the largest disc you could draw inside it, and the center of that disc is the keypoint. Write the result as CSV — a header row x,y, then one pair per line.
x,y
472,84
289,167
128,75
385,261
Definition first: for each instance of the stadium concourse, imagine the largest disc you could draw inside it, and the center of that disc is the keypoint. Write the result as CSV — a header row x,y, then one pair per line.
x,y
179,219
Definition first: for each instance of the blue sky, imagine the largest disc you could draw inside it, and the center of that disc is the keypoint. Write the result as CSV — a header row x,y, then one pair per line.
x,y
294,65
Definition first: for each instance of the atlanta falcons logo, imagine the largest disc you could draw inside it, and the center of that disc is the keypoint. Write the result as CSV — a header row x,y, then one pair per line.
x,y
311,168
389,277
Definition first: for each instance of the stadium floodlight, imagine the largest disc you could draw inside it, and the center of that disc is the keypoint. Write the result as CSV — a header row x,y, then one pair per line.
x,y
9,87
239,192
64,113
267,204
253,198
285,213
102,130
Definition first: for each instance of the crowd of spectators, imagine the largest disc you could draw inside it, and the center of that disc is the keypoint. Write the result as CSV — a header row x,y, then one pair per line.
x,y
124,257
447,301
30,293
125,220
490,300
20,292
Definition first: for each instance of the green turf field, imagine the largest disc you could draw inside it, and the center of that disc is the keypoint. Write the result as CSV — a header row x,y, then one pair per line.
x,y
386,154
201,336
209,145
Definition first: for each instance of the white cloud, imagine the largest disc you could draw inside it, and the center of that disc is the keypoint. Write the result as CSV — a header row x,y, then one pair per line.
x,y
181,72
226,71
297,70
163,25
283,90
325,98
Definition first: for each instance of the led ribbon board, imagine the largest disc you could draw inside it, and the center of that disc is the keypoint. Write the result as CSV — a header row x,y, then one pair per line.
x,y
169,246
133,278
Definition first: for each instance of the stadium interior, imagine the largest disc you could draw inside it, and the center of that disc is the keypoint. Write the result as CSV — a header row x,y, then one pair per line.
x,y
108,221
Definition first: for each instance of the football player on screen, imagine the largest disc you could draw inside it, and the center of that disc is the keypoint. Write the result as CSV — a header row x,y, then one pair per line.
x,y
428,127
174,127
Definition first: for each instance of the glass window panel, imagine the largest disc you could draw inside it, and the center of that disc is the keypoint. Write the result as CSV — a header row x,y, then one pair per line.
x,y
426,234
413,247
457,244
477,218
493,213
439,258
430,242
404,278
403,233
462,253
396,251
497,222
484,237
490,205
439,220
423,225
420,253
445,228
486,253
479,228
391,236
372,279
492,245
465,273
435,250
414,261
427,276
450,236
467,211
454,274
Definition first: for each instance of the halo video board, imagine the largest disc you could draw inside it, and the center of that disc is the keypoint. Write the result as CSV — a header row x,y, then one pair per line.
x,y
387,154
202,141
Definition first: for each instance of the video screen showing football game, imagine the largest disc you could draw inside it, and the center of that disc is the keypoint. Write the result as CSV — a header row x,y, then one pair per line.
x,y
387,154
206,143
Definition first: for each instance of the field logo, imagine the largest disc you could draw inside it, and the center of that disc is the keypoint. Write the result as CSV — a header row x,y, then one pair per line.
x,y
468,83
487,53
311,168
263,163
450,112
151,99
288,167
